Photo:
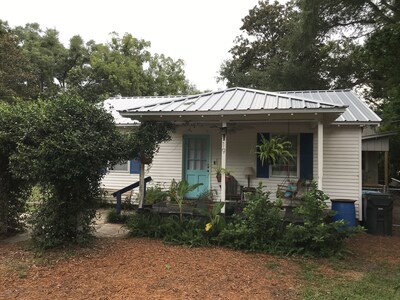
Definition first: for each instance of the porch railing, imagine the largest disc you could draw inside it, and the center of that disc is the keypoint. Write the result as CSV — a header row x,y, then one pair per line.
x,y
118,194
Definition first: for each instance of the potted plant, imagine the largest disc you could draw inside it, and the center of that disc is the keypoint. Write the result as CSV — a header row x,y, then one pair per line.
x,y
273,150
219,170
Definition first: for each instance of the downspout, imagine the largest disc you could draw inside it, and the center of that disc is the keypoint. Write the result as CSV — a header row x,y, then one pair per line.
x,y
141,185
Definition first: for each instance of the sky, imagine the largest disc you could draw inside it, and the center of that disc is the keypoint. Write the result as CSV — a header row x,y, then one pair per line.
x,y
199,32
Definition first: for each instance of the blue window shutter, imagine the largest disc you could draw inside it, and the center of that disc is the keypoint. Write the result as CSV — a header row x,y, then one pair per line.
x,y
134,166
306,155
262,170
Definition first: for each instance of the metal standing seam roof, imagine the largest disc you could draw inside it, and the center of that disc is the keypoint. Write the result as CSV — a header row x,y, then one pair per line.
x,y
116,104
357,110
233,99
242,99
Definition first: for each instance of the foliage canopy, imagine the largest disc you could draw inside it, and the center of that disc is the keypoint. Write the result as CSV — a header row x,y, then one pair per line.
x,y
34,63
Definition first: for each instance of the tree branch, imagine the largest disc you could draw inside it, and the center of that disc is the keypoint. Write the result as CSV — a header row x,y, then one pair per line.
x,y
391,7
378,11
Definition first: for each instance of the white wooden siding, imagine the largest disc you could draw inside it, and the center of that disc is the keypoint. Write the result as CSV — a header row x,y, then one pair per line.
x,y
114,181
377,144
341,157
342,163
167,163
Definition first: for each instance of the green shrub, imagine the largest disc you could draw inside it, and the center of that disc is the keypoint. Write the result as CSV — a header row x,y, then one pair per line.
x,y
65,145
188,231
155,194
317,236
14,190
57,223
216,221
116,218
258,228
145,224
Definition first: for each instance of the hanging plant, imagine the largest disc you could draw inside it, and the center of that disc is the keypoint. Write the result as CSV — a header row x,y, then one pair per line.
x,y
273,150
148,137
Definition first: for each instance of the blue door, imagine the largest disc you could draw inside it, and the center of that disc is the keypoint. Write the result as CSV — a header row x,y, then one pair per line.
x,y
196,163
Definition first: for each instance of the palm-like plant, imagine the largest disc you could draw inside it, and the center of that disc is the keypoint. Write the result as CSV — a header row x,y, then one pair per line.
x,y
178,190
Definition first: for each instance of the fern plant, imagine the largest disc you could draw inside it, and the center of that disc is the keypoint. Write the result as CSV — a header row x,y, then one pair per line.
x,y
273,150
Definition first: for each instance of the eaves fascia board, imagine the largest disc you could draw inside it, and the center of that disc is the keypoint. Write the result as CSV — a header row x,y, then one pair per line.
x,y
232,112
359,123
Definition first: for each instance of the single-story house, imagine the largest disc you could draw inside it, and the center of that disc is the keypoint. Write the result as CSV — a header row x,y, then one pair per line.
x,y
222,128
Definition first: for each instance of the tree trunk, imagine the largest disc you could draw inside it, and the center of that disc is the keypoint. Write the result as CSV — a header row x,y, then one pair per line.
x,y
3,196
141,185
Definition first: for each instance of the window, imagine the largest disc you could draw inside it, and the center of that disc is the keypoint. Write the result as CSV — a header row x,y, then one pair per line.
x,y
300,166
131,167
122,167
282,168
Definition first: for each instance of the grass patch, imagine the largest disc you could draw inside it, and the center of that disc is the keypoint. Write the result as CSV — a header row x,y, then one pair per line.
x,y
344,281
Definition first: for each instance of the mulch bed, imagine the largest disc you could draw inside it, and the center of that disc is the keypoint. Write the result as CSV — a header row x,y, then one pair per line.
x,y
140,268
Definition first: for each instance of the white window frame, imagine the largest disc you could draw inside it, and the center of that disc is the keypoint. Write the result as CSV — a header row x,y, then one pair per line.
x,y
121,171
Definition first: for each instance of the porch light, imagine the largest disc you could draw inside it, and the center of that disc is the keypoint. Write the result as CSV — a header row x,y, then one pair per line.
x,y
248,172
223,130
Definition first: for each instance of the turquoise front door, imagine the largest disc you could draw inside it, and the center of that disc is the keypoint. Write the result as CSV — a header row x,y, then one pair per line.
x,y
196,163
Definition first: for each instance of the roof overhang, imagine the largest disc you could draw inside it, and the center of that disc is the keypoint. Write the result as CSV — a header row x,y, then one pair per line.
x,y
326,114
379,135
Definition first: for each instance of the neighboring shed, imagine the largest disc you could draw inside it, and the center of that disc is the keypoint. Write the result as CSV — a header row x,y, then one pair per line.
x,y
374,144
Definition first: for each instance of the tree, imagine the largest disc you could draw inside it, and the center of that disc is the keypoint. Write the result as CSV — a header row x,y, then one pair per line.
x,y
16,75
45,53
13,190
63,146
146,143
284,47
258,54
124,66
322,44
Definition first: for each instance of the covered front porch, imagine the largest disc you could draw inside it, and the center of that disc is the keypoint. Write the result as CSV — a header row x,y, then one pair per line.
x,y
223,134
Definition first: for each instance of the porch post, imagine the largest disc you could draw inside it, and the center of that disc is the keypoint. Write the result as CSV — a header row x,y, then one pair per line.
x,y
223,164
141,185
320,153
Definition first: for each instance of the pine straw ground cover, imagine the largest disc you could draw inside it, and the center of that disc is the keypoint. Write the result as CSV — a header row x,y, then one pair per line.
x,y
141,268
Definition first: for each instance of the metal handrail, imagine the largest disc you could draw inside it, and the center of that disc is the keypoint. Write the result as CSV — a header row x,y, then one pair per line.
x,y
119,193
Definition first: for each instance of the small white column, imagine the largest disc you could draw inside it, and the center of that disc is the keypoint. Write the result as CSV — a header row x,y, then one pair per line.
x,y
320,154
223,164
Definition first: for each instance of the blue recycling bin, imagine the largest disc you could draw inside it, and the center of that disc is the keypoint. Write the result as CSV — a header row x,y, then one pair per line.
x,y
345,210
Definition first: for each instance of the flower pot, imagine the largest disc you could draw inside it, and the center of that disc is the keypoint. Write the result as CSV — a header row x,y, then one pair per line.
x,y
146,160
227,178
